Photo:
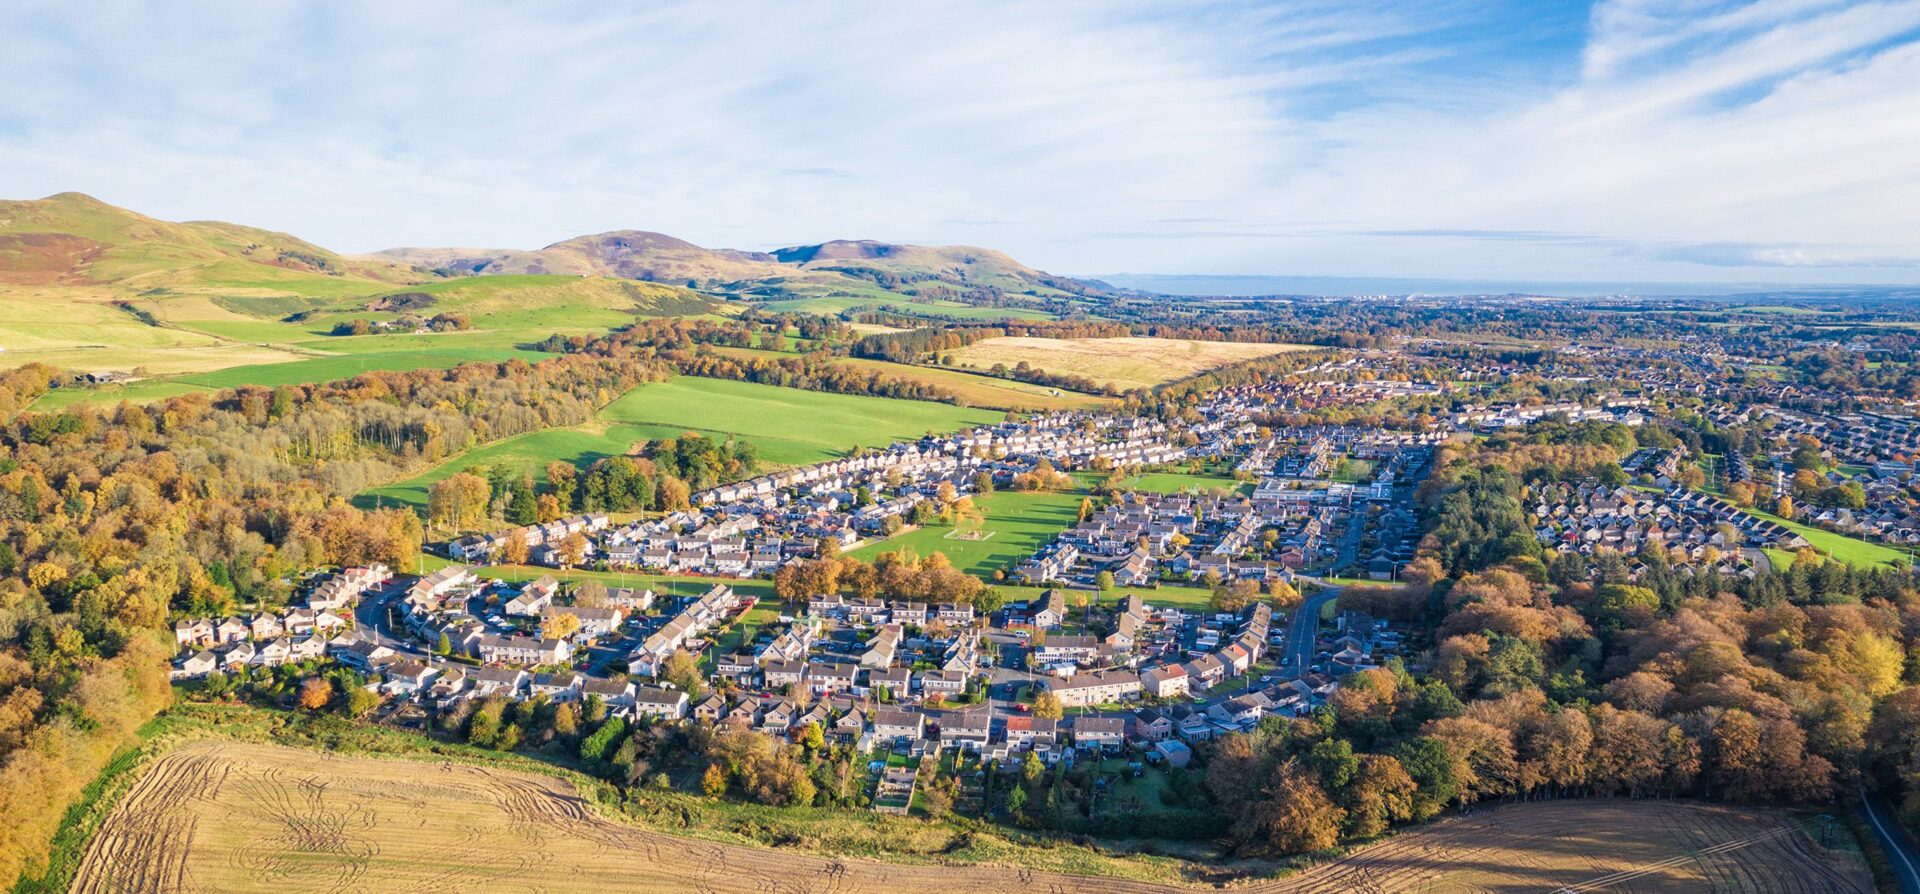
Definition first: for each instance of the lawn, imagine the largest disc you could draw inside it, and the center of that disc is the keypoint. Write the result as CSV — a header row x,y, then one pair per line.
x,y
1175,482
1019,523
1123,362
789,426
1849,550
743,631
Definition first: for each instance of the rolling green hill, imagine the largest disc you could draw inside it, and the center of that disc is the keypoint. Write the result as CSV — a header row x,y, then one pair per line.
x,y
87,286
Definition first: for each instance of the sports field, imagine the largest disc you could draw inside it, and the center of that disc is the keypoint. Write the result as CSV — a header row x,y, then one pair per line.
x,y
1176,482
1124,362
789,426
1018,522
228,816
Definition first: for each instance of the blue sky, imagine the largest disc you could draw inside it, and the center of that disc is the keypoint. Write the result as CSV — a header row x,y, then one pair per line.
x,y
1686,140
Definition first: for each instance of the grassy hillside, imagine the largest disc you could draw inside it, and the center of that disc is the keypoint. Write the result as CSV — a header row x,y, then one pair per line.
x,y
86,286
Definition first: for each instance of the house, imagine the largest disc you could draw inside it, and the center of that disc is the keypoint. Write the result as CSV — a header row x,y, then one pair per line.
x,y
896,682
1194,727
193,633
1105,733
1082,690
431,589
523,650
559,686
406,677
1048,610
1173,751
326,623
784,673
630,599
359,653
1027,731
307,648
1079,649
825,679
483,681
1126,628
298,622
1165,681
610,692
1150,724
1205,672
1242,711
947,684
231,630
738,666
273,653
958,614
199,664
710,708
594,622
967,730
266,626
891,724
776,716
882,647
239,654
533,599
850,725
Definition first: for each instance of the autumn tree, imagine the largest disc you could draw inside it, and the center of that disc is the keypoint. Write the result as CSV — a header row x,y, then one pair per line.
x,y
559,625
315,693
458,502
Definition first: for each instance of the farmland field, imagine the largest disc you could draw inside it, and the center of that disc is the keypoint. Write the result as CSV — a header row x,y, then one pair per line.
x,y
397,354
1124,362
229,816
789,426
971,389
898,304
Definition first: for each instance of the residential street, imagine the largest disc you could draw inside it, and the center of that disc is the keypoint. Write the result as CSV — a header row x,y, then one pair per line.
x,y
1301,630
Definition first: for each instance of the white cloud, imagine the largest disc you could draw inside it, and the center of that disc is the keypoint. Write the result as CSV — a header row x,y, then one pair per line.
x,y
1255,137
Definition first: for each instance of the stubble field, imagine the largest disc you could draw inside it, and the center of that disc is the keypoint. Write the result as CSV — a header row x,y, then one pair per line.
x,y
1124,362
222,816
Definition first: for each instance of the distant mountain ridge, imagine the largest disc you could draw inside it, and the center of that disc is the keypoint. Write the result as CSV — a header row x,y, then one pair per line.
x,y
657,257
72,239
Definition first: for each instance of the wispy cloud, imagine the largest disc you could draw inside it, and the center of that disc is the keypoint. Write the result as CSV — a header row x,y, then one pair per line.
x,y
1637,139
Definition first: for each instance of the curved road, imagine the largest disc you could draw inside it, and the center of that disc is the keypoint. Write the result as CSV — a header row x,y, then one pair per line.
x,y
1301,631
1895,841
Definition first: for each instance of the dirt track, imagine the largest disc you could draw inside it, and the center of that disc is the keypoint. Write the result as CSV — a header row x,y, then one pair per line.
x,y
227,817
